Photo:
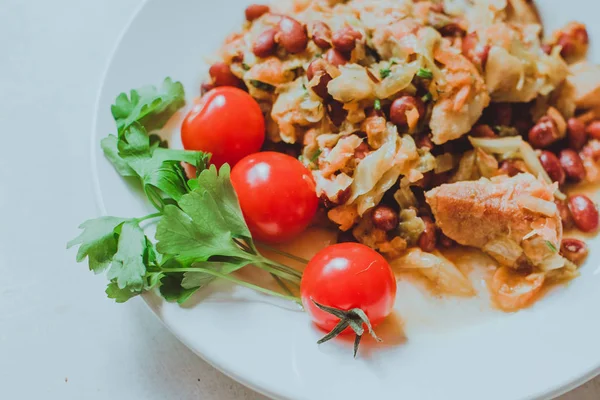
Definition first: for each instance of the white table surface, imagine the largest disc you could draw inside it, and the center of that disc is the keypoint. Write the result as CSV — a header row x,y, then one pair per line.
x,y
60,338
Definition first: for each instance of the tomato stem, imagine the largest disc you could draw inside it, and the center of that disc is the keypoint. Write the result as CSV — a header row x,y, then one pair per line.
x,y
355,318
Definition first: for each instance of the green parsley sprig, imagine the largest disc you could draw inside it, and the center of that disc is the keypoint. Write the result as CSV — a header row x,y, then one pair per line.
x,y
201,233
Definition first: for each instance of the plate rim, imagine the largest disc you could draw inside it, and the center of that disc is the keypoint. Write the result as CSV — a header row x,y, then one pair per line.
x,y
548,394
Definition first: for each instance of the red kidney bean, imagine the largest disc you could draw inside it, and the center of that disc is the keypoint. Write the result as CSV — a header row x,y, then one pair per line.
x,y
483,131
384,218
337,113
265,44
574,40
573,165
206,87
584,212
451,29
503,114
321,35
512,167
316,67
546,48
428,240
335,58
473,50
403,104
255,11
445,241
544,133
565,214
292,35
593,129
361,151
553,167
344,40
574,250
222,75
576,134
424,141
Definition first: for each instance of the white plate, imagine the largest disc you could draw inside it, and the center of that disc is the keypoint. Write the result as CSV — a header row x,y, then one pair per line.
x,y
456,349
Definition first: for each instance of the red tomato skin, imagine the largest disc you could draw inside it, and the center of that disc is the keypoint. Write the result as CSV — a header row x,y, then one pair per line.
x,y
347,276
227,122
277,195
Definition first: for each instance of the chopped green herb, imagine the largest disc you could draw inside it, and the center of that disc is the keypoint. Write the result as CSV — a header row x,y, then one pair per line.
x,y
315,156
551,246
505,131
384,72
304,86
377,104
245,66
262,86
427,98
424,73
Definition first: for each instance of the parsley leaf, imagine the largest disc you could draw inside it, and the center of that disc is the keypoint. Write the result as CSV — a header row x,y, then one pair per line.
x,y
97,242
204,225
128,268
148,106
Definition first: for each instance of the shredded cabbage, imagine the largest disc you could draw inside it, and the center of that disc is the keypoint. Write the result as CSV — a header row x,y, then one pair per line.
x,y
438,269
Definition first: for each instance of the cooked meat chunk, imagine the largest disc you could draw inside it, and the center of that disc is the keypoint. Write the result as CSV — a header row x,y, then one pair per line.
x,y
513,219
586,79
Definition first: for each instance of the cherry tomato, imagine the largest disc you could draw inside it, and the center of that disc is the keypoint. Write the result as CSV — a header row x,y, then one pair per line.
x,y
226,122
277,195
347,276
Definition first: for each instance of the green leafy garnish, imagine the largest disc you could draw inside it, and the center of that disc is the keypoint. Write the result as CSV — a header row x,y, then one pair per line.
x,y
427,97
135,153
148,106
201,233
262,86
316,155
377,105
551,246
424,73
384,72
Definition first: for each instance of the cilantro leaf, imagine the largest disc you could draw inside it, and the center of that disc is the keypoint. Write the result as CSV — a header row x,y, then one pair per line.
x,y
97,242
149,106
128,268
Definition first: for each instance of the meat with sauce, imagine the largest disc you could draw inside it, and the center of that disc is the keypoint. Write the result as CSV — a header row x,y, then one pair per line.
x,y
513,219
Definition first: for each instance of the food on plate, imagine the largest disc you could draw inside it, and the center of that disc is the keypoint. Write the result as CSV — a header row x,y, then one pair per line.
x,y
407,127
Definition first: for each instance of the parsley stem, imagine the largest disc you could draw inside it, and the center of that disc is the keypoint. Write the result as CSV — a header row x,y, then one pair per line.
x,y
285,274
280,267
236,281
283,253
147,217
